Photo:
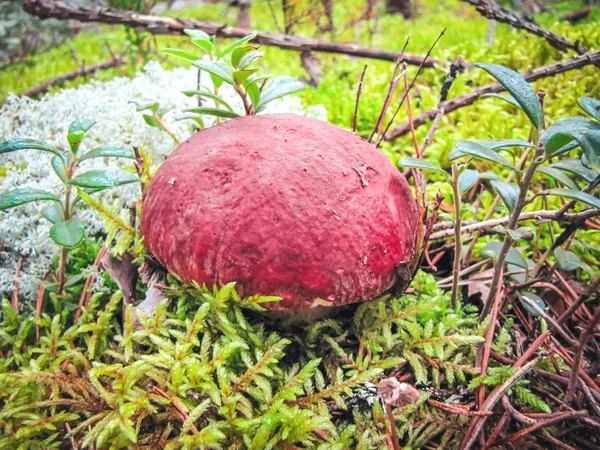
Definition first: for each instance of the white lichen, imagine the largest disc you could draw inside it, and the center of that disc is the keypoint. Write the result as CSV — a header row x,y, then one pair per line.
x,y
22,230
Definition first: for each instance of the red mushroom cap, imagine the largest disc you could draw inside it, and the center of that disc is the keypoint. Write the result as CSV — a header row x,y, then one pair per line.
x,y
285,206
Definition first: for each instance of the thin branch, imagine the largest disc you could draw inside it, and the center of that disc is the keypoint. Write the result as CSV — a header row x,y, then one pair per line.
x,y
487,225
358,92
81,72
495,12
47,9
549,70
578,357
478,422
406,93
586,294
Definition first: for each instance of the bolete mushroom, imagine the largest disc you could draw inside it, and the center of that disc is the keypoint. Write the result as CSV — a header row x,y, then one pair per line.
x,y
285,206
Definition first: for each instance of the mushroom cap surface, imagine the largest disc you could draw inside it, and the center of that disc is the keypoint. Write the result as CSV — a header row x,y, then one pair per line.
x,y
285,206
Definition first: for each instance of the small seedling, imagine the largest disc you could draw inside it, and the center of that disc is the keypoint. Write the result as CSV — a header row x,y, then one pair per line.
x,y
67,231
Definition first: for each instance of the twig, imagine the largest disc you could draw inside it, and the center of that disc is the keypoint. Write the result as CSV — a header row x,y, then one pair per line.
x,y
47,9
495,12
478,422
455,68
358,92
406,93
587,293
390,92
487,225
38,305
578,357
542,424
457,237
81,72
15,292
468,99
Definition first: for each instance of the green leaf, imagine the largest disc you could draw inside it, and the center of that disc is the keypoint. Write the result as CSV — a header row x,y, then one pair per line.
x,y
181,54
585,131
590,106
17,197
110,150
25,144
278,87
421,164
576,167
68,234
218,69
207,46
237,44
519,88
558,176
238,53
58,164
210,95
567,260
253,79
103,179
77,130
213,112
471,148
240,76
505,143
507,98
576,195
509,193
197,34
532,302
142,104
53,213
151,120
518,233
492,249
249,58
253,92
467,180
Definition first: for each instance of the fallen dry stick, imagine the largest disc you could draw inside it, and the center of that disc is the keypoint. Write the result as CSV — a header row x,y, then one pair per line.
x,y
46,9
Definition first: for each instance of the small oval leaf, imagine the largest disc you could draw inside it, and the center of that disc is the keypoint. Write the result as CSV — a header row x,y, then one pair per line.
x,y
463,148
197,34
532,303
467,180
53,212
519,88
576,195
237,44
492,249
58,165
213,112
575,166
567,260
210,95
216,68
181,54
590,106
278,87
110,150
420,164
509,193
17,197
558,176
101,179
68,234
25,144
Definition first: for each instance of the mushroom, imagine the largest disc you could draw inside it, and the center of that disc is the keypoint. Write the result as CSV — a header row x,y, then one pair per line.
x,y
284,206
